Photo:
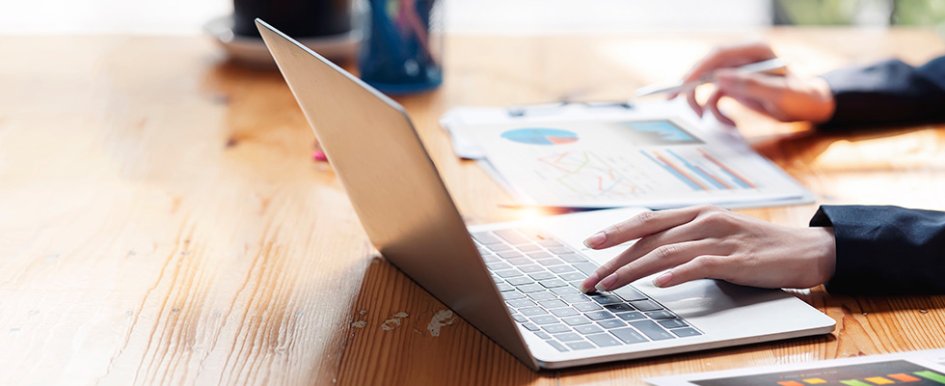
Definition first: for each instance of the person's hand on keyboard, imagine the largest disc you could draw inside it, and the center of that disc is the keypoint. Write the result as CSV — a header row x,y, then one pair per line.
x,y
783,97
713,243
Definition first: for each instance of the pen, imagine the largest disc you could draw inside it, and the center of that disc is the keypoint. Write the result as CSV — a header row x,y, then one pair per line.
x,y
769,65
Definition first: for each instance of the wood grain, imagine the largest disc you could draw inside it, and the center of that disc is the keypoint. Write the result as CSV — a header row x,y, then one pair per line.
x,y
161,221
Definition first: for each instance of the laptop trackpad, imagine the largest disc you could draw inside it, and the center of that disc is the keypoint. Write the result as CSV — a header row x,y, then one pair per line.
x,y
704,297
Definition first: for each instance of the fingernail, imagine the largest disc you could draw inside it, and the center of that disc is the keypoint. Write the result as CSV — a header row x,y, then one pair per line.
x,y
595,240
585,287
606,284
663,280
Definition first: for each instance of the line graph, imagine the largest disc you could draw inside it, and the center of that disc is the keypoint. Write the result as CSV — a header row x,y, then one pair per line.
x,y
589,175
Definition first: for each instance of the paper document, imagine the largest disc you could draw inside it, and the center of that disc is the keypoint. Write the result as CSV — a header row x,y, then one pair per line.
x,y
629,159
918,368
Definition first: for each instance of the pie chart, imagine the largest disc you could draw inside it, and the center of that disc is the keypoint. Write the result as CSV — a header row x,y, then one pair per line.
x,y
541,136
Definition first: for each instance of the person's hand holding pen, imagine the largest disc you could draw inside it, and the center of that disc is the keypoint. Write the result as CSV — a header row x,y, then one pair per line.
x,y
786,97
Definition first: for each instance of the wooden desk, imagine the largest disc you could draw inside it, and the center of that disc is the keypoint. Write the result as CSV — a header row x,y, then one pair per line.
x,y
161,220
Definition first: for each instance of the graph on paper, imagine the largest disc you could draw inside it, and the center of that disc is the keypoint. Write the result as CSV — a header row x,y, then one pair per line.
x,y
869,374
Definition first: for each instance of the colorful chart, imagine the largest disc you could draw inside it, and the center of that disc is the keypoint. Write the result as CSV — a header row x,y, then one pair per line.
x,y
541,136
658,133
897,372
698,169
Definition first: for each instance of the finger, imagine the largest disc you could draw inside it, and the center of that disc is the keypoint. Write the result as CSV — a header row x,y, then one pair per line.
x,y
761,87
645,223
644,246
729,56
664,257
713,103
701,267
693,103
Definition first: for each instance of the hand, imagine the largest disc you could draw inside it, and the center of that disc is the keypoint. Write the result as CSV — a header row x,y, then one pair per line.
x,y
785,98
712,243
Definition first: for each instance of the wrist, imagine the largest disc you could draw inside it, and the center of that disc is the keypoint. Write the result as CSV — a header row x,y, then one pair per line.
x,y
825,253
824,101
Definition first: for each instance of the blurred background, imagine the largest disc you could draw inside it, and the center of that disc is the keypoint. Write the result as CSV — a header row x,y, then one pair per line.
x,y
491,16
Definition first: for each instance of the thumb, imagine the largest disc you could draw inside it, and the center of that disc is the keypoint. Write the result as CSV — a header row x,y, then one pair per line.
x,y
765,88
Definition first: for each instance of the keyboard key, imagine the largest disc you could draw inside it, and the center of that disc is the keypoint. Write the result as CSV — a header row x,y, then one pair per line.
x,y
588,329
542,295
611,323
558,346
575,320
580,345
512,236
576,283
568,337
544,319
566,290
629,293
564,312
572,276
619,307
599,315
561,268
488,258
531,268
542,276
528,288
532,311
586,268
538,255
508,273
520,280
555,328
684,332
530,326
605,298
628,335
498,266
652,330
499,247
660,315
572,258
553,283
497,279
510,254
542,334
521,303
519,318
575,298
504,287
519,261
559,250
554,303
550,262
549,243
632,316
587,307
485,238
528,248
603,340
510,295
672,323
646,305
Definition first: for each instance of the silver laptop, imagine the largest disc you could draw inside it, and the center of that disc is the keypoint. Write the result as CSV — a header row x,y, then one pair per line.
x,y
515,282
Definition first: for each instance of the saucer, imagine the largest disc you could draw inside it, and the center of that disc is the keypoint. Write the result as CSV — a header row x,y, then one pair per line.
x,y
252,50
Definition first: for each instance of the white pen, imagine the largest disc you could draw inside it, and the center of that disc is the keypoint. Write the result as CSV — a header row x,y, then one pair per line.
x,y
769,65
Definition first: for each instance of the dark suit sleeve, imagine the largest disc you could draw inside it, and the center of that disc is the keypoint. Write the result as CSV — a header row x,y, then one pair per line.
x,y
883,250
887,93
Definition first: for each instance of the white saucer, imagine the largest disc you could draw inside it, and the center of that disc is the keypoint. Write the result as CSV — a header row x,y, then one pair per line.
x,y
252,50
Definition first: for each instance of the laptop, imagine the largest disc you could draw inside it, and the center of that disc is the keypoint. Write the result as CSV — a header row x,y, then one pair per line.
x,y
516,282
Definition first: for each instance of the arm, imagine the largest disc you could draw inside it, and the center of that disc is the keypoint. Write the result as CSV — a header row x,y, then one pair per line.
x,y
889,92
885,250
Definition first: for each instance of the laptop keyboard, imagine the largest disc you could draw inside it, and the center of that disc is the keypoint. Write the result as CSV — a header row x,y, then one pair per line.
x,y
540,279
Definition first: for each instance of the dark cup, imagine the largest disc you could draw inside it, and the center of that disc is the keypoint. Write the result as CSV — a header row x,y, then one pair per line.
x,y
297,18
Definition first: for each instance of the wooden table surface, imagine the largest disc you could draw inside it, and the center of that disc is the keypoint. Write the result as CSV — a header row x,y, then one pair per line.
x,y
161,219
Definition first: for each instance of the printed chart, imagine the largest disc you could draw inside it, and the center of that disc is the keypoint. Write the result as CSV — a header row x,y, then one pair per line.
x,y
590,175
541,136
870,374
698,169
